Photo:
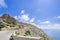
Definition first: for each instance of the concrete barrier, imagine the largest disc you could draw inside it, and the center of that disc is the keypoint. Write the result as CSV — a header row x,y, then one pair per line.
x,y
26,38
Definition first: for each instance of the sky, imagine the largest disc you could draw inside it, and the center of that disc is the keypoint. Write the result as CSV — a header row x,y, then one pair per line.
x,y
44,14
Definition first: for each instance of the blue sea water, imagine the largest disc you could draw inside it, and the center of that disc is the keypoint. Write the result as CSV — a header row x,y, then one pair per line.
x,y
54,33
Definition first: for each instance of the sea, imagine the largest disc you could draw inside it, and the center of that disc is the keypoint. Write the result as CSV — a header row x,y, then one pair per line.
x,y
54,33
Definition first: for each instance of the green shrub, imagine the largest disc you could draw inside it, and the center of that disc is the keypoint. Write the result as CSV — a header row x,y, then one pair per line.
x,y
17,33
27,32
10,22
2,26
11,25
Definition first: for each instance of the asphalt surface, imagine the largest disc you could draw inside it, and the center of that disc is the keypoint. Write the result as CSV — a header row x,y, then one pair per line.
x,y
5,35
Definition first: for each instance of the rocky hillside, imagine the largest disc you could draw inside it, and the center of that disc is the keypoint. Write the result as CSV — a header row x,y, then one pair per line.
x,y
7,17
9,23
6,20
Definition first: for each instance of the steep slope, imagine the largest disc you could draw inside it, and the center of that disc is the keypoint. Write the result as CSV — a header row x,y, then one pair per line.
x,y
33,31
9,23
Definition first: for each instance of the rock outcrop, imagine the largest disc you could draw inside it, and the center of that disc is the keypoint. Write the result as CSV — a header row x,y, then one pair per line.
x,y
7,17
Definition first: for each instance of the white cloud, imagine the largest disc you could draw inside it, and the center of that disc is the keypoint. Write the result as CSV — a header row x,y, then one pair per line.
x,y
45,22
16,17
3,4
22,11
58,17
51,26
24,17
32,20
47,25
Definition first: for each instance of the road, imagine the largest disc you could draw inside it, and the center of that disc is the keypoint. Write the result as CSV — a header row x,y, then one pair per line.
x,y
5,35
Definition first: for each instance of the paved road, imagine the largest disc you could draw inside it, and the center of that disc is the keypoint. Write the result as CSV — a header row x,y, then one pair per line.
x,y
5,35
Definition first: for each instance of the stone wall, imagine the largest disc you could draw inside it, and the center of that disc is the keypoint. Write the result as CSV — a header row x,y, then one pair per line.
x,y
26,38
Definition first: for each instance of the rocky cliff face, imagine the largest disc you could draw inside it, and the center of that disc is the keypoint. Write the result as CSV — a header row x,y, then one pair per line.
x,y
7,17
24,29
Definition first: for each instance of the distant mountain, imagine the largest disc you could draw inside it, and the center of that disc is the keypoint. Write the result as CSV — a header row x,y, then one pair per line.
x,y
9,23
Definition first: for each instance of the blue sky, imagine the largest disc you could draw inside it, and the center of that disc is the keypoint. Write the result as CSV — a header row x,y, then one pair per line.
x,y
43,13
